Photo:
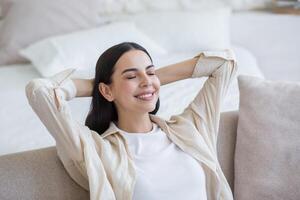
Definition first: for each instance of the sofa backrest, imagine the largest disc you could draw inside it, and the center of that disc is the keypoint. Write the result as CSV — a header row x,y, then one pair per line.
x,y
226,144
39,174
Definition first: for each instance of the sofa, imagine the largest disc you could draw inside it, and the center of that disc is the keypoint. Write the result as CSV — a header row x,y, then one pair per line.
x,y
258,150
39,174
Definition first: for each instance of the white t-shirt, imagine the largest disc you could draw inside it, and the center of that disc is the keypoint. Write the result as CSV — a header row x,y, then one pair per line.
x,y
163,170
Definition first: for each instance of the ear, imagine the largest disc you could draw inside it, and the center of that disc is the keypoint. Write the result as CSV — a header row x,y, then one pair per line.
x,y
106,91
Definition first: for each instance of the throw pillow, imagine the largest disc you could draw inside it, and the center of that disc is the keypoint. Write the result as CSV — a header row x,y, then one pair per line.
x,y
268,140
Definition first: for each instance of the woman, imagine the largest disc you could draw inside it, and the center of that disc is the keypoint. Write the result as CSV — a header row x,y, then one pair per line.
x,y
125,151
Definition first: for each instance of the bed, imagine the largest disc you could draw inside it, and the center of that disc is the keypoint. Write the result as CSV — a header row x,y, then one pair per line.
x,y
21,129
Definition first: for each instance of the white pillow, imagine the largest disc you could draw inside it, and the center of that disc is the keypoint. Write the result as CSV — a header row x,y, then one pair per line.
x,y
28,21
82,49
180,31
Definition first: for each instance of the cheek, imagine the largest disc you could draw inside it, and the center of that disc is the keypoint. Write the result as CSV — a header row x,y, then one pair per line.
x,y
156,83
125,89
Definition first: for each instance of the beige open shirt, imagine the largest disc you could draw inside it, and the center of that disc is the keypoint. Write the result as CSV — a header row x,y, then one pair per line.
x,y
103,165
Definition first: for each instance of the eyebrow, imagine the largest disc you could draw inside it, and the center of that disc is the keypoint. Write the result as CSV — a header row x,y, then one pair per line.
x,y
135,69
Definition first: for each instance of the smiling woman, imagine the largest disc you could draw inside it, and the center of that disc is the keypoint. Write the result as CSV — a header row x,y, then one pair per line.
x,y
124,150
124,74
130,88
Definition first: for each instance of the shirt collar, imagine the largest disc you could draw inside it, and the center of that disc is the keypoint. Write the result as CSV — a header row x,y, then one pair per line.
x,y
112,129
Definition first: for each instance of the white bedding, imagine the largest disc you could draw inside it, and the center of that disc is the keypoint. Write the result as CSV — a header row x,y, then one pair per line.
x,y
273,39
21,129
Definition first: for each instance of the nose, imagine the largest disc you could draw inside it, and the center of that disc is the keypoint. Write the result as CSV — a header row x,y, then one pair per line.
x,y
146,81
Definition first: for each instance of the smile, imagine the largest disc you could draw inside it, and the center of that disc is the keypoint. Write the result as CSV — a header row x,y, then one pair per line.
x,y
146,97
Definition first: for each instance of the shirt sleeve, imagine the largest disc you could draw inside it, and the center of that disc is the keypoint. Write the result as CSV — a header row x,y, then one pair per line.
x,y
48,98
204,111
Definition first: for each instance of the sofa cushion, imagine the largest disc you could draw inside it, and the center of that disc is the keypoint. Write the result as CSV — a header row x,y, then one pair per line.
x,y
268,140
37,174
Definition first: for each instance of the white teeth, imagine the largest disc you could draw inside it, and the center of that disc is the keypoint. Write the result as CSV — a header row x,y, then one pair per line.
x,y
145,96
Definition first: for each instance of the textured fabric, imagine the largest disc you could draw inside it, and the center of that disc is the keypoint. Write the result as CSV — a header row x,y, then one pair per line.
x,y
37,175
162,168
102,164
28,21
268,140
226,144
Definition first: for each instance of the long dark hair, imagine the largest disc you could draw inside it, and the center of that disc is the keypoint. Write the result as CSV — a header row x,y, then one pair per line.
x,y
102,112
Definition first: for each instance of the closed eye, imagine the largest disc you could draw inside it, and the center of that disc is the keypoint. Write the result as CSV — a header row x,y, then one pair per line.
x,y
151,73
131,77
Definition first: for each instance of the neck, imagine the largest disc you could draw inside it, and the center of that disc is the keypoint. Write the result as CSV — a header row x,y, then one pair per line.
x,y
134,123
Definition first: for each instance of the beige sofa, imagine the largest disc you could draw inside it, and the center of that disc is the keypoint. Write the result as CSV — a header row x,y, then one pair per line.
x,y
39,174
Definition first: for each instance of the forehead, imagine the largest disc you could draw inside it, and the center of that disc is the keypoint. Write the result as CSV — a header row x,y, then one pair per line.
x,y
133,59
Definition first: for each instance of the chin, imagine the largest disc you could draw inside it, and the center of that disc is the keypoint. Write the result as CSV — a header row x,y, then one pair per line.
x,y
147,109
